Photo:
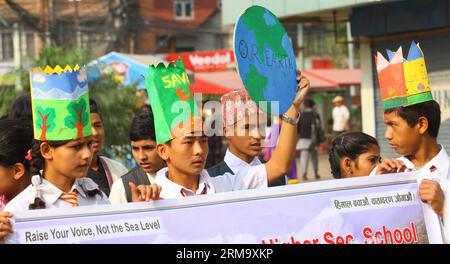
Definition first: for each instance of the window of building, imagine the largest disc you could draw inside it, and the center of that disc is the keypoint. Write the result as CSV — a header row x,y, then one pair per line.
x,y
6,41
184,9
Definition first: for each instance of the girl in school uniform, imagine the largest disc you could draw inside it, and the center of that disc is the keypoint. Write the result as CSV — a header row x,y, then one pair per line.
x,y
16,138
62,150
353,154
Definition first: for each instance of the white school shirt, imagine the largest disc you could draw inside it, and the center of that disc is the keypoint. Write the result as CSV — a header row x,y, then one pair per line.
x,y
254,177
50,194
118,194
441,175
340,117
236,164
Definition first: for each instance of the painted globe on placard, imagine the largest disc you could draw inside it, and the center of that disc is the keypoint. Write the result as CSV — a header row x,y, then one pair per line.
x,y
265,59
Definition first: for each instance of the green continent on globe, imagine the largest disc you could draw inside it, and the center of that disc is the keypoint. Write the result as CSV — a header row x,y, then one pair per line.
x,y
256,84
271,35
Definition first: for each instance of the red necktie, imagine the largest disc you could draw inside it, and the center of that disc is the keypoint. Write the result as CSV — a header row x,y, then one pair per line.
x,y
71,198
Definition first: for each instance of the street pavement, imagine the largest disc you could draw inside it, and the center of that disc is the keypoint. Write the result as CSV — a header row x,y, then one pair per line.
x,y
324,170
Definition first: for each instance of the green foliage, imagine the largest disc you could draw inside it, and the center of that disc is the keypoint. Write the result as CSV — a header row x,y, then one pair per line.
x,y
54,55
116,104
7,97
76,109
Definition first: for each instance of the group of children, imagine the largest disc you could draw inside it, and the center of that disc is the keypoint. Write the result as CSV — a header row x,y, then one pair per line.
x,y
53,165
49,170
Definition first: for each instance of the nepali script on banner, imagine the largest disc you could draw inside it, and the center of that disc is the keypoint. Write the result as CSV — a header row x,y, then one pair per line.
x,y
379,209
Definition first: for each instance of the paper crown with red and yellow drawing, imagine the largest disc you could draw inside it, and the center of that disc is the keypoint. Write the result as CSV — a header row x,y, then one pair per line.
x,y
60,103
172,100
403,82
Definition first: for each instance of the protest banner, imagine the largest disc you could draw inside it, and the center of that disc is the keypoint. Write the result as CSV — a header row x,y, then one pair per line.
x,y
368,210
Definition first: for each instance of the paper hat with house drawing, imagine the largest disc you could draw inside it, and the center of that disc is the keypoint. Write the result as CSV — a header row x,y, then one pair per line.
x,y
172,100
403,82
60,103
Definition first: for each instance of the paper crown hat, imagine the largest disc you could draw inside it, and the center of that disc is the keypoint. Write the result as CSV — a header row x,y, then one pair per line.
x,y
236,105
172,100
403,82
60,103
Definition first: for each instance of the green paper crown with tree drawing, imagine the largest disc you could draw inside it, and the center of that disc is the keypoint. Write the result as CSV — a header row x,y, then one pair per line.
x,y
60,103
172,101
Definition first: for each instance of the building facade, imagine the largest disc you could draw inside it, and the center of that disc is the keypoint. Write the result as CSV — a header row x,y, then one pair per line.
x,y
376,26
174,26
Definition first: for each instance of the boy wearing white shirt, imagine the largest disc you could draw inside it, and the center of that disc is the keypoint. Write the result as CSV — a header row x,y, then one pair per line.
x,y
245,148
341,116
412,127
143,148
412,131
184,147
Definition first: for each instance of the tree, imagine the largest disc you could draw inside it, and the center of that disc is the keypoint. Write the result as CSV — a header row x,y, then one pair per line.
x,y
45,120
117,105
78,116
54,55
7,96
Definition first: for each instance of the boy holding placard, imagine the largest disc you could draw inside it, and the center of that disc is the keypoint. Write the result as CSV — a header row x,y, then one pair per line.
x,y
413,118
184,146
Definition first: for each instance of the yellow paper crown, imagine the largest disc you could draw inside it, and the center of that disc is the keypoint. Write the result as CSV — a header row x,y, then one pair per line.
x,y
57,69
60,103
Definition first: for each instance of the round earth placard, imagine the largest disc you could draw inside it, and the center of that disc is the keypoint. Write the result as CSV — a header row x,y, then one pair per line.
x,y
265,59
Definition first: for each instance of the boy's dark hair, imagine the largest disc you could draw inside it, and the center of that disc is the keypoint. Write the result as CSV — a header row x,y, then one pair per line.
x,y
16,138
430,110
21,109
142,127
93,106
351,145
309,103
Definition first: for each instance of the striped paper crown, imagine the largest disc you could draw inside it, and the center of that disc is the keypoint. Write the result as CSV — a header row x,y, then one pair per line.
x,y
403,82
60,103
236,105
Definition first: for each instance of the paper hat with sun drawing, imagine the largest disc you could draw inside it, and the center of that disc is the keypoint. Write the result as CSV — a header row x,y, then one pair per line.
x,y
403,82
60,103
172,100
